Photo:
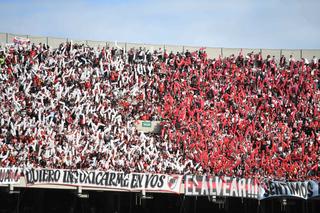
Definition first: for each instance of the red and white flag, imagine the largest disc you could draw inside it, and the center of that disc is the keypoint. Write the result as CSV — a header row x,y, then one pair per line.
x,y
21,40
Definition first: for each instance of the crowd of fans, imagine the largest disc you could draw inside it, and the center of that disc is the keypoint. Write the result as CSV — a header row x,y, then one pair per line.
x,y
76,107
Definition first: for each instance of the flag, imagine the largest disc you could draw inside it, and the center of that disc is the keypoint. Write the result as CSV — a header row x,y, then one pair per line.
x,y
21,40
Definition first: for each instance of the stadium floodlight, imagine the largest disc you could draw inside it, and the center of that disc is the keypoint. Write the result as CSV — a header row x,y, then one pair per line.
x,y
283,204
12,191
85,196
212,198
284,201
221,201
144,195
217,200
80,194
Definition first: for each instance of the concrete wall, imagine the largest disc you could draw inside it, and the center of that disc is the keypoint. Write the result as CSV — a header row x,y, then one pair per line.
x,y
310,53
173,48
190,48
3,38
96,44
271,52
295,53
38,39
213,52
55,42
116,44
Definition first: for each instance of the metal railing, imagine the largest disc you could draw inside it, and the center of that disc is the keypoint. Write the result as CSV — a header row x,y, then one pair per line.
x,y
211,51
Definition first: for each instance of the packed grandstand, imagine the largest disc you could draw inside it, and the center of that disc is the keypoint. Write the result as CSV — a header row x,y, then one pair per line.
x,y
75,107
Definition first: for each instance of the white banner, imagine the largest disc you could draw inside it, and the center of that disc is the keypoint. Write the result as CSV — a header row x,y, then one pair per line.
x,y
305,189
105,179
21,40
10,175
220,186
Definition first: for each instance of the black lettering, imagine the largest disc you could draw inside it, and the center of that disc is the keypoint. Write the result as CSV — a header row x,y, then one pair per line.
x,y
148,178
65,178
134,181
106,179
87,179
71,175
126,180
35,175
29,175
310,189
56,175
98,178
43,177
291,188
154,180
120,179
50,176
272,188
140,179
266,190
296,189
278,188
75,176
304,190
82,176
284,187
161,181
111,179
91,178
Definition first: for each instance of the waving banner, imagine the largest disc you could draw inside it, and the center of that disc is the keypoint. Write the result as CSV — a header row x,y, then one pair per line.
x,y
305,189
248,188
10,175
220,186
105,179
21,40
194,185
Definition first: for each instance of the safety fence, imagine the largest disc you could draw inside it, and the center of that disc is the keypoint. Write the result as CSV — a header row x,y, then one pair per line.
x,y
211,51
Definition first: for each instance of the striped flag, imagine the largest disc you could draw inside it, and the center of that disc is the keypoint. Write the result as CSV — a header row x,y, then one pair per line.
x,y
21,40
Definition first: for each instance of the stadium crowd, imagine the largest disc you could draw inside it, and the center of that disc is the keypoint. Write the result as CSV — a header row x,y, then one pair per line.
x,y
76,107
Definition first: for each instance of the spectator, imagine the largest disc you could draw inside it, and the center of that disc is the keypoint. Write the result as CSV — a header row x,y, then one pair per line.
x,y
76,106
